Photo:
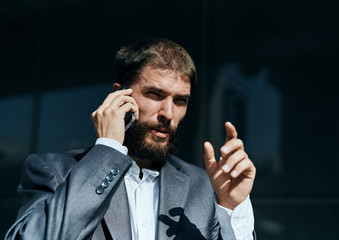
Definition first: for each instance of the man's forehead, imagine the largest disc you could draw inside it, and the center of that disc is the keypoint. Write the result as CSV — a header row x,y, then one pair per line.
x,y
163,79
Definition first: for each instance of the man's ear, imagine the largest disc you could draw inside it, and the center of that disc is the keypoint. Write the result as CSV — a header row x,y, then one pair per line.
x,y
116,86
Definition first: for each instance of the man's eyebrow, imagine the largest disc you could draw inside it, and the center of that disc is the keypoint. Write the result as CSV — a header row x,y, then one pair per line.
x,y
154,89
162,91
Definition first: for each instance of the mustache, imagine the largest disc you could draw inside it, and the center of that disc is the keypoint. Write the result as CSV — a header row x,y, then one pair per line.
x,y
161,124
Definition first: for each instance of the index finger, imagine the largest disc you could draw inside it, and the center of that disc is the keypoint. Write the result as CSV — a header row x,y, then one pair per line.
x,y
112,96
109,99
231,132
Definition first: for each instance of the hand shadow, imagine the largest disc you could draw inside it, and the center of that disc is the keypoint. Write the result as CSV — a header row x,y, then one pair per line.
x,y
188,229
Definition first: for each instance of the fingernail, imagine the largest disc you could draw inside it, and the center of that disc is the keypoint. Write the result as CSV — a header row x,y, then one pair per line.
x,y
225,167
220,159
234,173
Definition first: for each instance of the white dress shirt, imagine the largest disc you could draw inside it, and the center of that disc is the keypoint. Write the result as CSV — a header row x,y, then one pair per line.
x,y
143,200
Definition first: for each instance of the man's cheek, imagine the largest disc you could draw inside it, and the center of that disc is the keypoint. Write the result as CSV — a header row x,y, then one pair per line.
x,y
144,117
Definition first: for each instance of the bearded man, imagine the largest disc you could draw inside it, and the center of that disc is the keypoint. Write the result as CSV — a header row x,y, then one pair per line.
x,y
129,186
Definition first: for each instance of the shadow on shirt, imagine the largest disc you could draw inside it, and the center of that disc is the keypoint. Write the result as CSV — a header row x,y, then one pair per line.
x,y
183,229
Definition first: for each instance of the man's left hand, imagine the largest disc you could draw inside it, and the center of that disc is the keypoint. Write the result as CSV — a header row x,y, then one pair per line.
x,y
233,176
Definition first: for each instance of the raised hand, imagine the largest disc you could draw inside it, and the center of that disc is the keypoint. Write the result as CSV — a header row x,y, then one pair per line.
x,y
233,176
108,119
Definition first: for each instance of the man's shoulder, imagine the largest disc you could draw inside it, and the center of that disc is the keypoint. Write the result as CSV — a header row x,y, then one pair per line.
x,y
64,161
54,161
73,155
77,153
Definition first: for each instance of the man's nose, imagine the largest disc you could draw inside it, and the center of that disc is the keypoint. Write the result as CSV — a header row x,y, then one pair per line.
x,y
166,110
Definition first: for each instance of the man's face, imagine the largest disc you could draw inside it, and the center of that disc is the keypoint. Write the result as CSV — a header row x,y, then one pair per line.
x,y
162,97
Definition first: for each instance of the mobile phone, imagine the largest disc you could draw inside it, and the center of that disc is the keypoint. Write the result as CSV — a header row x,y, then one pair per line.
x,y
129,120
129,116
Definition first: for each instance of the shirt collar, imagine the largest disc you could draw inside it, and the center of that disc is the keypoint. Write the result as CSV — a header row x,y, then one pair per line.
x,y
149,175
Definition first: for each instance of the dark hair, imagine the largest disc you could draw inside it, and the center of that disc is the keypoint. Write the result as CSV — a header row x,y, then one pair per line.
x,y
157,53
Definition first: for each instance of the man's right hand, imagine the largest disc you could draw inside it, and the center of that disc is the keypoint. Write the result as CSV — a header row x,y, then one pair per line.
x,y
108,119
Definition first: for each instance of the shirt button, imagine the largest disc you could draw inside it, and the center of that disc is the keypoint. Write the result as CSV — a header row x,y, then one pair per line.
x,y
144,225
99,190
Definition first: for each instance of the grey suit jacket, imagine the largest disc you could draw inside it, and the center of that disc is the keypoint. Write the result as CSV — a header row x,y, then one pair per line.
x,y
60,199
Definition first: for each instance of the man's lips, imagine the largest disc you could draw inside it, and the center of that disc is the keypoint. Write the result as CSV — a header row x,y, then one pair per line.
x,y
160,132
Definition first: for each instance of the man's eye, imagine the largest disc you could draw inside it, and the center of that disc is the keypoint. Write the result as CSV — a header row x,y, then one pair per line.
x,y
181,101
154,94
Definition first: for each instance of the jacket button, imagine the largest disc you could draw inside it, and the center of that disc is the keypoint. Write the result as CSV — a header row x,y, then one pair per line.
x,y
110,177
99,190
105,183
115,171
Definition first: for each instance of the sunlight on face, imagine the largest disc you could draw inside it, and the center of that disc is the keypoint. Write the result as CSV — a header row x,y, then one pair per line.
x,y
162,96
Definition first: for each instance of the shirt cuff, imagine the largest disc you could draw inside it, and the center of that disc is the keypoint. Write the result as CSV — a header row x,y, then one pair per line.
x,y
237,224
113,144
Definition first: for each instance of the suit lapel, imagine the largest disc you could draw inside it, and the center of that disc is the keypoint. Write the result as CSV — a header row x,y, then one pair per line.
x,y
174,187
117,217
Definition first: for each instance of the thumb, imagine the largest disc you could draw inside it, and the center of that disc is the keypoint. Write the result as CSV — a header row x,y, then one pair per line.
x,y
209,158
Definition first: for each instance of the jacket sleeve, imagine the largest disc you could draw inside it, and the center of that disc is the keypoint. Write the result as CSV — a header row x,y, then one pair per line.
x,y
62,202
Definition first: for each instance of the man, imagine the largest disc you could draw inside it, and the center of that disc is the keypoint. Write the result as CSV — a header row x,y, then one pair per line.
x,y
105,193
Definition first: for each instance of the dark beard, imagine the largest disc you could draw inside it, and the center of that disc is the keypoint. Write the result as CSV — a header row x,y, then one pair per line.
x,y
154,153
